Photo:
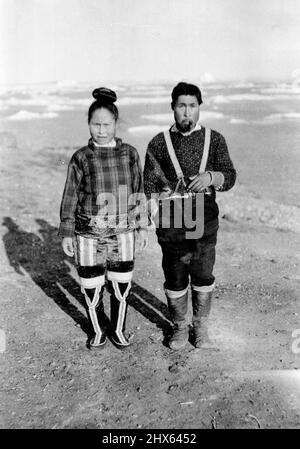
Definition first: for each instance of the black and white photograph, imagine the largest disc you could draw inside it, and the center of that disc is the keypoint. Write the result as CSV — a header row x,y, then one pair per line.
x,y
150,217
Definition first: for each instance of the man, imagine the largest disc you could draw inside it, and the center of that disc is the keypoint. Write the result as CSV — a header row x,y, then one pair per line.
x,y
198,158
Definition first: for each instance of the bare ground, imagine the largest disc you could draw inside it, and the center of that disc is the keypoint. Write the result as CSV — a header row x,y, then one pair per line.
x,y
49,379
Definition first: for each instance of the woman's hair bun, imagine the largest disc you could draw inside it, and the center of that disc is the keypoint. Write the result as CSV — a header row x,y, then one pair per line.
x,y
104,95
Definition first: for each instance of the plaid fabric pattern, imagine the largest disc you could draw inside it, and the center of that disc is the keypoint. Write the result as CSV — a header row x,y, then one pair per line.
x,y
159,170
93,171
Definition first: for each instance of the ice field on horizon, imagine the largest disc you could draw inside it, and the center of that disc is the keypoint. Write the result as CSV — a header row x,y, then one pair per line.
x,y
260,121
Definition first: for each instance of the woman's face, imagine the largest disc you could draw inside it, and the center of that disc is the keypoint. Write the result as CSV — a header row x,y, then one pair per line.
x,y
102,126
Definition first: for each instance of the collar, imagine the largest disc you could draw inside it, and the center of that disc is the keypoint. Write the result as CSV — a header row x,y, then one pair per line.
x,y
174,129
115,144
111,144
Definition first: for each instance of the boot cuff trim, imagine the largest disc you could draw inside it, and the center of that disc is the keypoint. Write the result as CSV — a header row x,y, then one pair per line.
x,y
204,288
172,294
119,277
92,282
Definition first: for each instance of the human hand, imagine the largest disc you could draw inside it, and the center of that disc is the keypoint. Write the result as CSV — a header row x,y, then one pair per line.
x,y
68,247
165,193
200,182
142,239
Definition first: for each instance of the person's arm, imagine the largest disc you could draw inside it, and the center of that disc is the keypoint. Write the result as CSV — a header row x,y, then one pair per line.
x,y
140,206
70,199
155,180
224,174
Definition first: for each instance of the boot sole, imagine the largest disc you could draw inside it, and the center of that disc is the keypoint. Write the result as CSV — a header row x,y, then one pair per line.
x,y
176,348
118,345
207,347
98,347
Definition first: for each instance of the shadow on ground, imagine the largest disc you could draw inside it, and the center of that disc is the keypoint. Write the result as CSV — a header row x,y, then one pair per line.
x,y
43,260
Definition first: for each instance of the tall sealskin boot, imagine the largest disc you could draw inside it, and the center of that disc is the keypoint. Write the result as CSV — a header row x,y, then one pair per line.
x,y
178,310
93,297
118,312
201,308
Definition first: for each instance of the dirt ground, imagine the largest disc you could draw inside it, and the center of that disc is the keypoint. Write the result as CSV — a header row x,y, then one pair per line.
x,y
49,379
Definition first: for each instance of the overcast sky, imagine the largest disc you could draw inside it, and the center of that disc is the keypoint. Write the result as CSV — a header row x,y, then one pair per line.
x,y
148,40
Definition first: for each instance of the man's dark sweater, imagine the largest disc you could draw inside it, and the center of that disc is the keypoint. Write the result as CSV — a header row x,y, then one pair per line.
x,y
159,170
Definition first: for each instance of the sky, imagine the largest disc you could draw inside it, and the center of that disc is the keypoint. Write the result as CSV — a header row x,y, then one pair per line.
x,y
148,40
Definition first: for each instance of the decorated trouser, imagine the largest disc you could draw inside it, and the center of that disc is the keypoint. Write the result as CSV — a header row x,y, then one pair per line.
x,y
113,256
183,262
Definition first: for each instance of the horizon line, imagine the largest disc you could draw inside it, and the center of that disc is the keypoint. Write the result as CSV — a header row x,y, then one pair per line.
x,y
69,82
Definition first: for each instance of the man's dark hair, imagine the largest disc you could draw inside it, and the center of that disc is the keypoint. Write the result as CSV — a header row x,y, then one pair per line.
x,y
185,89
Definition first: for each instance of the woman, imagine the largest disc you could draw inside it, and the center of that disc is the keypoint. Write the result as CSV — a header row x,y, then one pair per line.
x,y
100,216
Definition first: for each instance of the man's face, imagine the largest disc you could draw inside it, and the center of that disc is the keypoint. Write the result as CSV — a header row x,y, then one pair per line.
x,y
102,126
186,112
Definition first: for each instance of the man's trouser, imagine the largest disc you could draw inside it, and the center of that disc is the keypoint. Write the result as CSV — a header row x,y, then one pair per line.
x,y
189,261
113,256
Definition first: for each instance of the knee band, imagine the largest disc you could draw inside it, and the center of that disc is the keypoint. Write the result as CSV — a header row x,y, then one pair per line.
x,y
175,294
91,272
204,288
92,282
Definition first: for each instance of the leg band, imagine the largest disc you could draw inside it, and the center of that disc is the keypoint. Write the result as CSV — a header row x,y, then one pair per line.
x,y
92,304
120,323
119,276
204,288
175,294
